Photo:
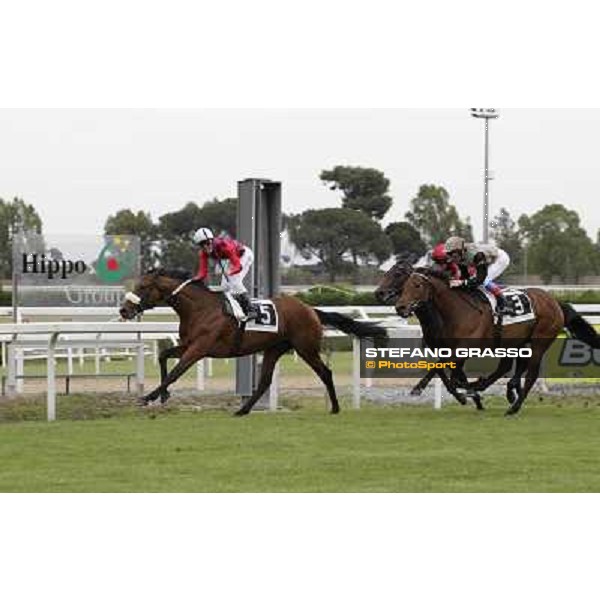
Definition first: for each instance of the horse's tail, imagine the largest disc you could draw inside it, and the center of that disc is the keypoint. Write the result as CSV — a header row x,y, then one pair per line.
x,y
579,327
351,326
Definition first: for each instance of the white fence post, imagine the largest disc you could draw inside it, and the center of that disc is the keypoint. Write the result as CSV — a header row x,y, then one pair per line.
x,y
437,400
51,378
356,373
274,391
11,366
200,380
140,366
69,361
20,369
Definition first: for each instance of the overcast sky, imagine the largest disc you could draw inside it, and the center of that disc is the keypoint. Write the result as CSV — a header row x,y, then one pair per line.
x,y
79,166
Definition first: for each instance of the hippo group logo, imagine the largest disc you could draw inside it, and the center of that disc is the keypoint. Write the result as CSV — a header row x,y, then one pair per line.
x,y
116,261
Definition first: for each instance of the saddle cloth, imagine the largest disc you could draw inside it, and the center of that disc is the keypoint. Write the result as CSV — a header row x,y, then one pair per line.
x,y
519,303
268,317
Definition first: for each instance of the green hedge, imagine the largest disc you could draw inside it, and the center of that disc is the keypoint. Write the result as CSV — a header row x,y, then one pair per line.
x,y
5,298
583,297
329,296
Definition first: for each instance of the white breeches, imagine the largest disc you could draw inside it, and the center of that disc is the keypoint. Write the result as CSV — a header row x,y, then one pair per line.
x,y
235,283
498,266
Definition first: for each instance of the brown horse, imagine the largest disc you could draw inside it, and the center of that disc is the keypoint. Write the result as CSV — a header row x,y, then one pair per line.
x,y
468,317
388,292
206,331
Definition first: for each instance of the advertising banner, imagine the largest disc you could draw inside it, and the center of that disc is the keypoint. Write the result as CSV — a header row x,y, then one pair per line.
x,y
72,270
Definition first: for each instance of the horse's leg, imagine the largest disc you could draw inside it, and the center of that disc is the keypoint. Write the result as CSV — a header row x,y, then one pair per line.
x,y
165,355
271,356
459,380
447,381
191,355
420,387
513,389
313,359
539,348
485,382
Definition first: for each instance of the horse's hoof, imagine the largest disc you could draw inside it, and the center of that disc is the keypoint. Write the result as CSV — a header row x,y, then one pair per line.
x,y
462,400
241,413
143,402
512,396
335,411
165,398
478,404
416,393
512,411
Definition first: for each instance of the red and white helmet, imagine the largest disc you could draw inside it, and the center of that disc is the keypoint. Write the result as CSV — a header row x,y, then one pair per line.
x,y
438,254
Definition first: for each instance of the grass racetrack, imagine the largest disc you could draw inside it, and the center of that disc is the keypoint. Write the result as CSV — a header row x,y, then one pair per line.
x,y
549,448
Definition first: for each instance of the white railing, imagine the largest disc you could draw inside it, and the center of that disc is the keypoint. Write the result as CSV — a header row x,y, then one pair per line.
x,y
363,312
70,335
51,336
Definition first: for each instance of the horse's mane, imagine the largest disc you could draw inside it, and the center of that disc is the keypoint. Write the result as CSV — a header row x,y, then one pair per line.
x,y
177,274
432,273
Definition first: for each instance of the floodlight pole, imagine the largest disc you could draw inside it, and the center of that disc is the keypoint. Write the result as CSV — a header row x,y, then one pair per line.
x,y
486,185
487,114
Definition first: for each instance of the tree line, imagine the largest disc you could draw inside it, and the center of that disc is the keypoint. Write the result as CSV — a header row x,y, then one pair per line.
x,y
346,239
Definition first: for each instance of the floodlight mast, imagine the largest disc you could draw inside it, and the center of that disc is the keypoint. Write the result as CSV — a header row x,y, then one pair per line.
x,y
487,114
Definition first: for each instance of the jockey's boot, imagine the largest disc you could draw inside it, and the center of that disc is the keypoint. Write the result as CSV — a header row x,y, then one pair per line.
x,y
249,310
502,309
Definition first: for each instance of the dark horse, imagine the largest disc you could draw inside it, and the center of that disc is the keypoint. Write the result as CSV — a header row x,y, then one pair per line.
x,y
467,317
388,292
206,331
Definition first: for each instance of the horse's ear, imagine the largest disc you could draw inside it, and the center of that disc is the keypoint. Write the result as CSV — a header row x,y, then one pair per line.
x,y
155,271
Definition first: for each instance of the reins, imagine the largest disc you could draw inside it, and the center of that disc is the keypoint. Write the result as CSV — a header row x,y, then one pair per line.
x,y
466,297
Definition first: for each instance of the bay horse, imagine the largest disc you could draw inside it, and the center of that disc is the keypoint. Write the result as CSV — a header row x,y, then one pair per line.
x,y
388,291
206,331
468,317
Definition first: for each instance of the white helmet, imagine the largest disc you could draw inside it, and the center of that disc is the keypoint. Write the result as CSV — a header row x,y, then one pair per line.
x,y
203,235
455,243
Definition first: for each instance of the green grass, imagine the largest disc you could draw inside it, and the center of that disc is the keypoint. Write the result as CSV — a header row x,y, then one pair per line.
x,y
550,448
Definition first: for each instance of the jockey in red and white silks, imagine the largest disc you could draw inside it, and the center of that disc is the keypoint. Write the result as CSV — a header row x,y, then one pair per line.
x,y
239,257
488,262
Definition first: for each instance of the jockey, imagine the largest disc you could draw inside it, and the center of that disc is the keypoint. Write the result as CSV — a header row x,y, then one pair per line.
x,y
488,262
443,264
437,260
240,259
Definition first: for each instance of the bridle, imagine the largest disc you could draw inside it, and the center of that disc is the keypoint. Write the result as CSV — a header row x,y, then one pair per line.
x,y
416,304
142,304
393,291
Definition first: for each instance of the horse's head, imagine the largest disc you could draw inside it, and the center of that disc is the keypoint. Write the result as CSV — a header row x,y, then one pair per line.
x,y
417,291
151,290
393,281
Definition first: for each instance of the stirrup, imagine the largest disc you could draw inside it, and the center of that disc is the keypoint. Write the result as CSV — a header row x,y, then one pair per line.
x,y
505,311
252,314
